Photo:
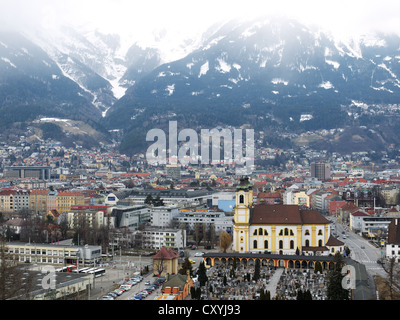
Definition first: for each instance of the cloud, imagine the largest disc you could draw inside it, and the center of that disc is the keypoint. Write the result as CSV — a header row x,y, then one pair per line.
x,y
145,16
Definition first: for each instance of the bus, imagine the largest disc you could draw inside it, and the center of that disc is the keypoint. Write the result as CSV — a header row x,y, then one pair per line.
x,y
69,268
98,272
88,270
83,270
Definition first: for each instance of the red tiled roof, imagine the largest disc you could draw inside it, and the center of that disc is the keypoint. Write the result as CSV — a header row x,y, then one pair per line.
x,y
359,213
166,254
333,242
285,214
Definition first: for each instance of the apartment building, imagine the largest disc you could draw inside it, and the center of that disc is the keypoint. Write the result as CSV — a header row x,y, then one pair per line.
x,y
38,201
67,199
94,216
156,238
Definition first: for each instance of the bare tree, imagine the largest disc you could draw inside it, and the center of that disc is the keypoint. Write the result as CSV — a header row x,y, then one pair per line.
x,y
393,275
15,282
225,240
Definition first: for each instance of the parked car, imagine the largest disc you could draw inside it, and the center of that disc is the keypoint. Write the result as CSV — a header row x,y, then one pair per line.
x,y
199,254
118,292
112,294
107,297
125,287
144,293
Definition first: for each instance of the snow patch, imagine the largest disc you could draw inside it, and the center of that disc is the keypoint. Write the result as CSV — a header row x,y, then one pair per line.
x,y
335,64
213,42
170,89
279,81
223,67
326,85
9,62
306,117
204,69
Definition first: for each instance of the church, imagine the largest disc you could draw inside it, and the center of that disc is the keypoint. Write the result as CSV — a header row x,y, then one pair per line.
x,y
279,229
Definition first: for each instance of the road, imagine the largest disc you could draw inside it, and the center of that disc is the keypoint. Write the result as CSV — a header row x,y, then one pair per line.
x,y
362,250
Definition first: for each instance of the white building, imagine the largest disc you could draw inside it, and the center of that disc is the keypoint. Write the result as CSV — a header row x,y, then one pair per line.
x,y
163,216
156,238
356,220
220,221
130,216
393,244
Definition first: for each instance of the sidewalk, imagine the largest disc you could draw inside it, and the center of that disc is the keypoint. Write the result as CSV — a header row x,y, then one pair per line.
x,y
271,287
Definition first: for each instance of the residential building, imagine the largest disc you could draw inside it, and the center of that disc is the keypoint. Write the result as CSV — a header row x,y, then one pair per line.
x,y
218,219
163,216
320,170
51,200
297,196
94,216
21,200
156,238
67,199
38,201
173,172
393,241
7,201
356,220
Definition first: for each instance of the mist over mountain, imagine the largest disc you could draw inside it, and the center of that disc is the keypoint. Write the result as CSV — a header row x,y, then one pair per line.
x,y
277,76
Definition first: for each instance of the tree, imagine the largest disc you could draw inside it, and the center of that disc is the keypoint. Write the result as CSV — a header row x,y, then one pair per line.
x,y
186,266
149,199
225,240
335,290
15,281
393,276
202,274
256,275
318,267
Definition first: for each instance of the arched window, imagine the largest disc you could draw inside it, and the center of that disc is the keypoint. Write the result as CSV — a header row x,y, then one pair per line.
x,y
260,231
255,232
291,244
320,232
286,231
265,244
291,233
255,244
265,232
307,233
307,243
320,243
281,233
241,198
280,244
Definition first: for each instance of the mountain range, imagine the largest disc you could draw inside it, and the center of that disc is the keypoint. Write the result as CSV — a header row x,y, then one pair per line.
x,y
274,75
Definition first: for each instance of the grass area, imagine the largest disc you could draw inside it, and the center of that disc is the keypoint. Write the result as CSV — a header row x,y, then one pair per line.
x,y
382,286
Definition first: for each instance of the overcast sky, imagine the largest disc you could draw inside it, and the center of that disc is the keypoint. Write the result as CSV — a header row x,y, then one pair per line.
x,y
117,16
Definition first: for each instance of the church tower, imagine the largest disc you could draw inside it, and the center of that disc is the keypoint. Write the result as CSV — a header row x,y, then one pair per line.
x,y
241,221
